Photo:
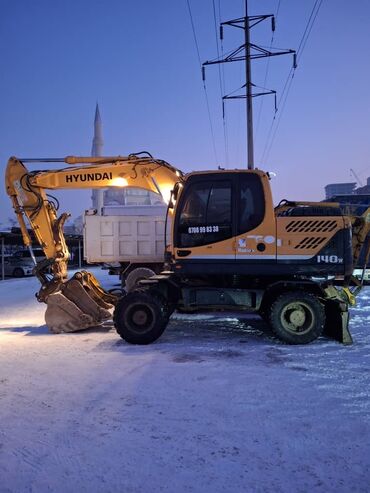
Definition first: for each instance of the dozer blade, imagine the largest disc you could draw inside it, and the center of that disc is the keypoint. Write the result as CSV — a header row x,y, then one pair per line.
x,y
72,308
337,321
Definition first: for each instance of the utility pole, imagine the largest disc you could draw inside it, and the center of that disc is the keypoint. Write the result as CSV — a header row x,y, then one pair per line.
x,y
248,79
248,52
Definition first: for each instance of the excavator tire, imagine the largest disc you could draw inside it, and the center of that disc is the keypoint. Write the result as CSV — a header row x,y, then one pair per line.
x,y
297,317
140,317
137,275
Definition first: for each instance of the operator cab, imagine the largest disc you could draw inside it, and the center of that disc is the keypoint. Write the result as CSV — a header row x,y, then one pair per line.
x,y
216,208
216,214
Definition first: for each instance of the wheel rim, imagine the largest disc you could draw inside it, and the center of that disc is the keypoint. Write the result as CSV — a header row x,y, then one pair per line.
x,y
297,317
140,318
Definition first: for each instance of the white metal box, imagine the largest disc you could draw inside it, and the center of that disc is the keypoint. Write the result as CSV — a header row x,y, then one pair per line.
x,y
125,237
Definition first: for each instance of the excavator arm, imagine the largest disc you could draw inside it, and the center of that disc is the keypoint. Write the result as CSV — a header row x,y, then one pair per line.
x,y
79,302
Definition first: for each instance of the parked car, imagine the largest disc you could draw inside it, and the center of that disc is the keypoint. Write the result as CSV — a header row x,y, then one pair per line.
x,y
20,264
358,273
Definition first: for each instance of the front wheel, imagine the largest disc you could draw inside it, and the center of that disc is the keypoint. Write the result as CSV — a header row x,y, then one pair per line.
x,y
297,317
140,318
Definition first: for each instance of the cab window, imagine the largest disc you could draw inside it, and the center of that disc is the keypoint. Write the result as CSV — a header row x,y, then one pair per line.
x,y
206,215
251,203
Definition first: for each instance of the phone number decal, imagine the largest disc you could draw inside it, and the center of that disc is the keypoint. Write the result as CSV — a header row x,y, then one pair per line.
x,y
203,229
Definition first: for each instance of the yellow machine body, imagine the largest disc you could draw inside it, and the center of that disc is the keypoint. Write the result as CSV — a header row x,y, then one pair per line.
x,y
240,235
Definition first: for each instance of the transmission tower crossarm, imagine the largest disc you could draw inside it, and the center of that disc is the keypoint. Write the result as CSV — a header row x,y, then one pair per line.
x,y
263,52
238,55
253,21
231,57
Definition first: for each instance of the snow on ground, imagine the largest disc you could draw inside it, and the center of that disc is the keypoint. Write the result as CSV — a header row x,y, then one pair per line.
x,y
216,405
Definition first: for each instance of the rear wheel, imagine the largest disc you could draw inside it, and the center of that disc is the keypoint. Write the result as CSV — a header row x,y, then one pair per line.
x,y
18,272
140,317
297,317
137,275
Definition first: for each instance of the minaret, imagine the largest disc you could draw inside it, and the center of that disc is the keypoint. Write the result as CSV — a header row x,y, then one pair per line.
x,y
97,146
97,150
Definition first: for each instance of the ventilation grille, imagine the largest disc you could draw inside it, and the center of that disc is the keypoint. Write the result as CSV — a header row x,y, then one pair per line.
x,y
311,226
310,243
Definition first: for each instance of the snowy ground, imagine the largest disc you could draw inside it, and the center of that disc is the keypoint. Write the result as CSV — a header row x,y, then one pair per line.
x,y
216,405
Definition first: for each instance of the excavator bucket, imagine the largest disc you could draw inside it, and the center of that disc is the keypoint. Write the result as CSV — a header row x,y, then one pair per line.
x,y
79,303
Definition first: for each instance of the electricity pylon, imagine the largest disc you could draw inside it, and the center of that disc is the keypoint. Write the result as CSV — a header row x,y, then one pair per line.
x,y
246,52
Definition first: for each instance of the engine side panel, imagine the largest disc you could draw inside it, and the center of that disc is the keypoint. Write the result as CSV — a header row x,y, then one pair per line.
x,y
318,244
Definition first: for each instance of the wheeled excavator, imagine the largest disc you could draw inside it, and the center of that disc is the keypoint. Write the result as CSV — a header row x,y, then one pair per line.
x,y
230,249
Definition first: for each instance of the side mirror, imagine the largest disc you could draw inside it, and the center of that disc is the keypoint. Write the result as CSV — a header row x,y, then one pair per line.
x,y
175,194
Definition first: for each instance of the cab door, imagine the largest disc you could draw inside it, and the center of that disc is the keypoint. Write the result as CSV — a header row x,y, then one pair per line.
x,y
205,224
256,240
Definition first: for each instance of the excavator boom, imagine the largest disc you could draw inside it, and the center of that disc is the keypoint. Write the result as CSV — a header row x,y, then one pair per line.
x,y
80,302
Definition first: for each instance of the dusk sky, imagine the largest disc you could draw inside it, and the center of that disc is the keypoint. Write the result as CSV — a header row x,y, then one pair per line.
x,y
139,61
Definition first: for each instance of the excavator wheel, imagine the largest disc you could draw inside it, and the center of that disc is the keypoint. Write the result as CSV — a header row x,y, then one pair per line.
x,y
140,317
135,276
297,317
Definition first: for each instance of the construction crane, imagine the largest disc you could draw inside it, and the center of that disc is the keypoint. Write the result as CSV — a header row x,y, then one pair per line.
x,y
352,171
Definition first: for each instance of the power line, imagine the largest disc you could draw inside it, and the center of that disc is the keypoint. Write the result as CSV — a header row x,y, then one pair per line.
x,y
301,48
288,83
218,51
224,114
204,85
289,80
308,24
267,71
221,77
277,9
282,97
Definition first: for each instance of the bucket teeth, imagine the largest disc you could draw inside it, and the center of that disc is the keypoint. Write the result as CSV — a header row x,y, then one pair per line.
x,y
75,307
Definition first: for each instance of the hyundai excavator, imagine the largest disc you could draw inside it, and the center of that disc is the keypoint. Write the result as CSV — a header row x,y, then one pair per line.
x,y
230,249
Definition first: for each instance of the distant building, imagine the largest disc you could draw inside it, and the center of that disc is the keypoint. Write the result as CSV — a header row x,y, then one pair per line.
x,y
339,189
357,204
364,190
130,196
116,196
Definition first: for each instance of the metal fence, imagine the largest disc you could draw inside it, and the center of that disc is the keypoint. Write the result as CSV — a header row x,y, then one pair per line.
x,y
12,242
